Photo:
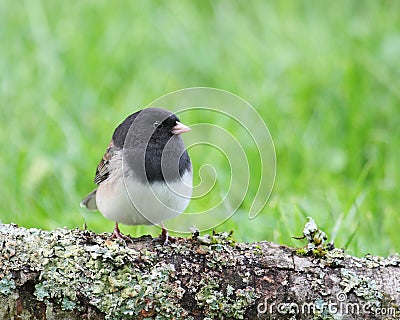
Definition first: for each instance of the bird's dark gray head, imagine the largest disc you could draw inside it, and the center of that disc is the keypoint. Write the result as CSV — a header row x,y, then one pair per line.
x,y
152,120
144,124
153,144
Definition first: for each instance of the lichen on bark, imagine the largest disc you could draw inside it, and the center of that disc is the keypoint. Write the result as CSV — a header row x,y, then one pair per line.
x,y
77,274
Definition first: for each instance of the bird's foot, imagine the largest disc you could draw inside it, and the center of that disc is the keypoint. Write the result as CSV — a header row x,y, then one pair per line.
x,y
119,236
164,237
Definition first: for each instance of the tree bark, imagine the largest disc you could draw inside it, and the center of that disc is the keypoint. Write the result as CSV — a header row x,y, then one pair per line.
x,y
76,274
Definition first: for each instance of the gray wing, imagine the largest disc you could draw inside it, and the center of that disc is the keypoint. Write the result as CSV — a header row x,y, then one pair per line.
x,y
102,173
104,169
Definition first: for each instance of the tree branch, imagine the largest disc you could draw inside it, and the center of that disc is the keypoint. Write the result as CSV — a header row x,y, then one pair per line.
x,y
76,274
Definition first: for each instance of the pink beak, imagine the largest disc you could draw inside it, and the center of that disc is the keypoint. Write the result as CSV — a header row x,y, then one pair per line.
x,y
180,128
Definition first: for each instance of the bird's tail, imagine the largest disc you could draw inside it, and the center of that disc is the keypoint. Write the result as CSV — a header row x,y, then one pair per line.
x,y
89,201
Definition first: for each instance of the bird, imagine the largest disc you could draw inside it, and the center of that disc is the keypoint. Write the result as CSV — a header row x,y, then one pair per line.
x,y
145,176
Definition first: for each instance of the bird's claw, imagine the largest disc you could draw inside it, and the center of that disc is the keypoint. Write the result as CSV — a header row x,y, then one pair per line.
x,y
164,237
117,235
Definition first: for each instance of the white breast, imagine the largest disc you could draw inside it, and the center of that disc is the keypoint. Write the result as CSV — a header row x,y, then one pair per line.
x,y
128,201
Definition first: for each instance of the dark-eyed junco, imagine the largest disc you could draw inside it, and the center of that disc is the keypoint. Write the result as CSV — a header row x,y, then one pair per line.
x,y
145,176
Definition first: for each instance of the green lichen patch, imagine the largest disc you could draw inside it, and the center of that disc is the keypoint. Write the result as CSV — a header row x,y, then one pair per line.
x,y
7,284
362,287
221,238
220,303
371,261
335,257
392,260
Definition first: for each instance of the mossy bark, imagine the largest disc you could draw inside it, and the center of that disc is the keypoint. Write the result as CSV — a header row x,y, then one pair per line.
x,y
76,274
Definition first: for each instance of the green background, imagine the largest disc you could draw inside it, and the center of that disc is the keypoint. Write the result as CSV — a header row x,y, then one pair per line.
x,y
325,77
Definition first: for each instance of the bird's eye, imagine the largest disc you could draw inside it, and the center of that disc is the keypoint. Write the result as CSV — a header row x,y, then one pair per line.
x,y
157,124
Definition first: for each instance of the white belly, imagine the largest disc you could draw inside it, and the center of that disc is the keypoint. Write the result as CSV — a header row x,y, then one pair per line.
x,y
133,203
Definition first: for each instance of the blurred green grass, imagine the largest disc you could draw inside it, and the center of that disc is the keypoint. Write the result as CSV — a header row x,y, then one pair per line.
x,y
325,76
